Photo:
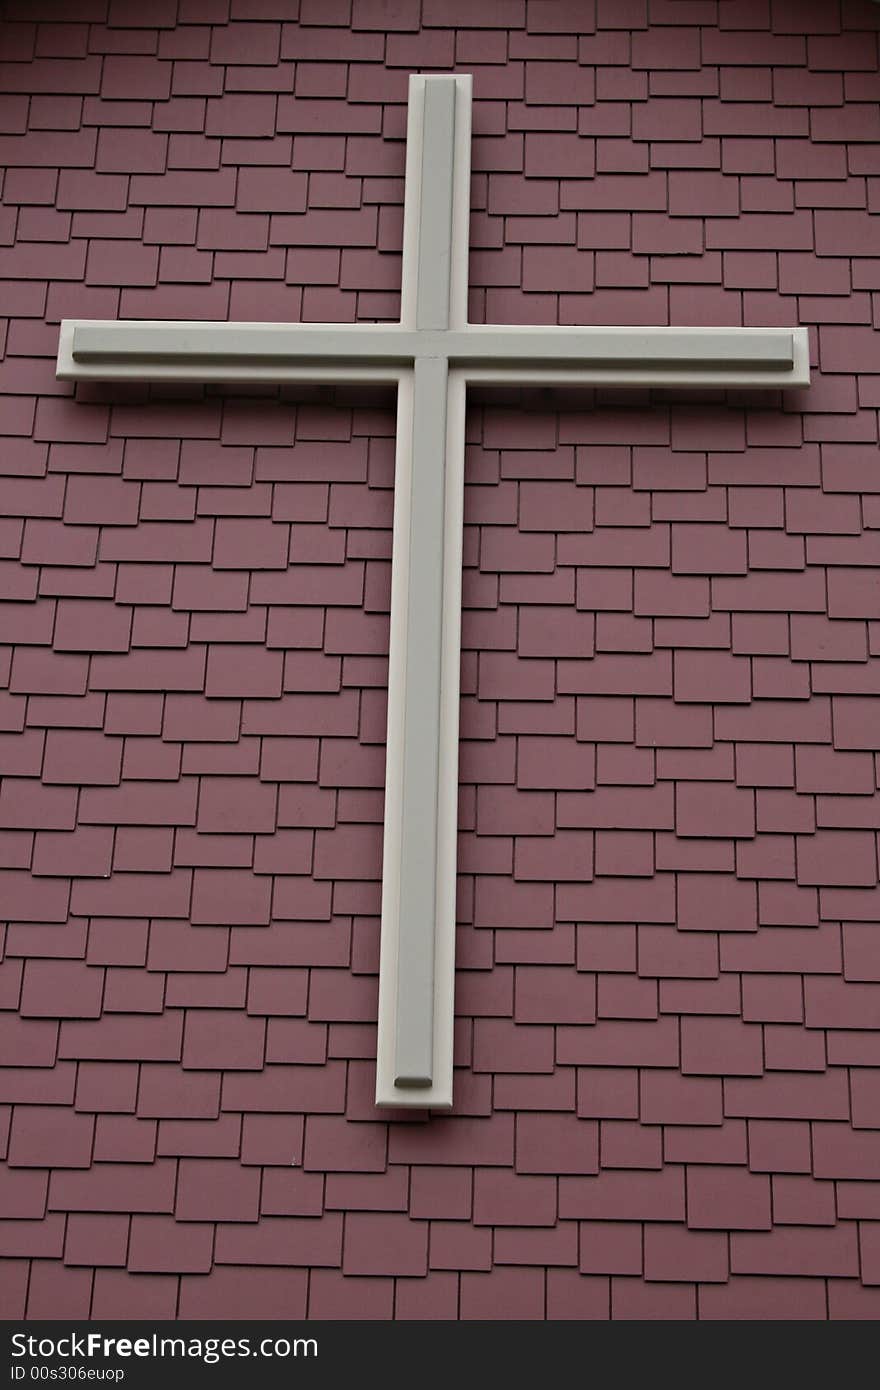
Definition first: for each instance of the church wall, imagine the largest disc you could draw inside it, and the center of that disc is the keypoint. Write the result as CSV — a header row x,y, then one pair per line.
x,y
667,1095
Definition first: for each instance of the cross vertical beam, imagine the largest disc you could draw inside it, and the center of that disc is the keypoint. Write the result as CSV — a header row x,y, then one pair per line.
x,y
433,296
419,731
418,915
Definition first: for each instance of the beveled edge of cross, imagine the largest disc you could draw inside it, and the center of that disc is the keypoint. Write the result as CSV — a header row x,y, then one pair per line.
x,y
430,355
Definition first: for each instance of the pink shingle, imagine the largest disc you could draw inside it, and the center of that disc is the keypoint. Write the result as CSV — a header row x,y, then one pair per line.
x,y
61,989
96,1239
700,996
799,1200
141,803
45,1135
832,1003
626,1144
23,1193
797,1251
103,1086
672,1253
217,1039
332,1296
784,950
38,1239
610,1247
443,1193
624,1196
216,1189
668,1098
232,804
662,723
608,1093
633,1299
555,632
779,1146
246,543
84,625
98,500
556,1143
120,1294
166,1091
763,1298
273,1240
711,676
82,756
150,669
288,1089
271,1139
571,1295
368,1191
859,945
841,1152
849,1299
54,1288
554,763
718,1046
552,994
701,906
244,1291
500,1046
710,809
384,1243
556,1092
158,1244
229,896
86,851
112,1187
512,1293
513,1200
666,951
837,857
724,1198
133,895
789,1095
289,1192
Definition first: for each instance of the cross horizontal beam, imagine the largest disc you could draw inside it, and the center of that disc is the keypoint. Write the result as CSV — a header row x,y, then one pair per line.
x,y
282,352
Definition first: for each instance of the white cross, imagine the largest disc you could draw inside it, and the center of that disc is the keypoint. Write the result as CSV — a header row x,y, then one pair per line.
x,y
430,356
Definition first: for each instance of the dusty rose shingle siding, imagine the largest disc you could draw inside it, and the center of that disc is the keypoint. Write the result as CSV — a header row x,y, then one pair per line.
x,y
668,1032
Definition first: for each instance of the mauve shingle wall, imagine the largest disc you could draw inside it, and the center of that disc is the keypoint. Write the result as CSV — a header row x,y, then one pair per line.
x,y
668,1044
